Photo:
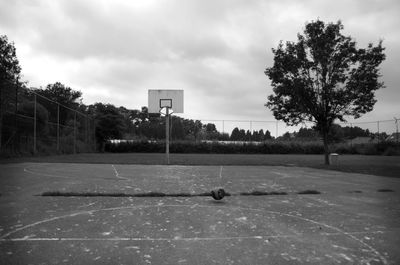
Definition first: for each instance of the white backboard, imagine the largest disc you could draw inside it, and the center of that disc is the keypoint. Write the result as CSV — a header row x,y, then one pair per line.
x,y
160,98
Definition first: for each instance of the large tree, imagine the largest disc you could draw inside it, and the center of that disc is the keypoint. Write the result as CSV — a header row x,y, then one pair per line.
x,y
110,123
323,77
68,99
10,71
61,94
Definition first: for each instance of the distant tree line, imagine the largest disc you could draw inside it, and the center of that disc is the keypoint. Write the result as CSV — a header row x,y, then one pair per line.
x,y
122,123
336,134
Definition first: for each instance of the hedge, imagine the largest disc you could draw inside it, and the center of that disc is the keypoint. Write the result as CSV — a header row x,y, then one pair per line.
x,y
271,147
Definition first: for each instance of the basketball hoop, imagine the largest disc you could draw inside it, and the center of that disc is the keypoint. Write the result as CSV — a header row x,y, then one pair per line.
x,y
163,111
171,98
165,102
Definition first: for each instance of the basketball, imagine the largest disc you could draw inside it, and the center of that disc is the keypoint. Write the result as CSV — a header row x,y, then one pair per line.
x,y
218,194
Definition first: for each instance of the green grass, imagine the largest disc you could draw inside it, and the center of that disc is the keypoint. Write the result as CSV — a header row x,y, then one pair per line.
x,y
388,166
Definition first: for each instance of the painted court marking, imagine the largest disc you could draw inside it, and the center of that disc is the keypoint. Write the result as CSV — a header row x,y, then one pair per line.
x,y
27,238
263,237
29,170
220,176
338,230
117,174
35,171
43,174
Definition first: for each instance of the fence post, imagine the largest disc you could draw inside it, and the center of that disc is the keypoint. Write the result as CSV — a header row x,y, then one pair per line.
x,y
351,135
34,127
94,135
378,131
1,120
58,127
86,133
251,130
75,133
16,139
91,139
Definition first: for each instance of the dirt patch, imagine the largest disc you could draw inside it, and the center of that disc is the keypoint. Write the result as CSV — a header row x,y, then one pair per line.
x,y
262,193
162,194
140,195
309,192
385,190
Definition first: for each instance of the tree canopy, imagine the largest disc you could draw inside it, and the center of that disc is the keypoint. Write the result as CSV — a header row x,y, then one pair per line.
x,y
9,65
110,122
323,77
62,94
10,71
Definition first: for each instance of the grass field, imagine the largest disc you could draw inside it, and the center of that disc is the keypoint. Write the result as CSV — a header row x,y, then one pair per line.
x,y
388,166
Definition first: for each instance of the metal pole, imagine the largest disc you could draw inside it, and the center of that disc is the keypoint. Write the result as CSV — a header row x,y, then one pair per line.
x,y
87,131
223,126
94,135
276,134
251,129
58,127
1,111
34,127
167,135
351,135
16,97
378,131
75,133
397,130
16,141
170,127
16,103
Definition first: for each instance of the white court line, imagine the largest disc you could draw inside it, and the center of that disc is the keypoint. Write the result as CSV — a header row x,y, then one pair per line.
x,y
87,205
29,239
117,174
129,239
28,170
220,176
44,221
338,230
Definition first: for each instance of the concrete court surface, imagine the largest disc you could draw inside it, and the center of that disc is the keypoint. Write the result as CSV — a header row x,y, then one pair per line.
x,y
355,219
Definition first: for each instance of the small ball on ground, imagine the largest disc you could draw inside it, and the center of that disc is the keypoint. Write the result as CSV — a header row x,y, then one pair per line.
x,y
218,194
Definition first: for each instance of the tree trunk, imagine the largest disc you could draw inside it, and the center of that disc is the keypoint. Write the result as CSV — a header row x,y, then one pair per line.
x,y
2,109
1,125
326,146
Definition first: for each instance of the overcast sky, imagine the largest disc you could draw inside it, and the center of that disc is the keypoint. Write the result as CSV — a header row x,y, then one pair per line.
x,y
216,50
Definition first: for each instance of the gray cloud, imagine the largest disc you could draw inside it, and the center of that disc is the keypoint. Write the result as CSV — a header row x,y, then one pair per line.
x,y
216,50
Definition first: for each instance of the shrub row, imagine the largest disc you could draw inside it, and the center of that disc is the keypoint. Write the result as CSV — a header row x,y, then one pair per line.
x,y
273,147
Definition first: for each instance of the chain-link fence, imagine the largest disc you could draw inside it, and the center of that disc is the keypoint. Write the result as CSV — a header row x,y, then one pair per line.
x,y
31,124
382,130
259,137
